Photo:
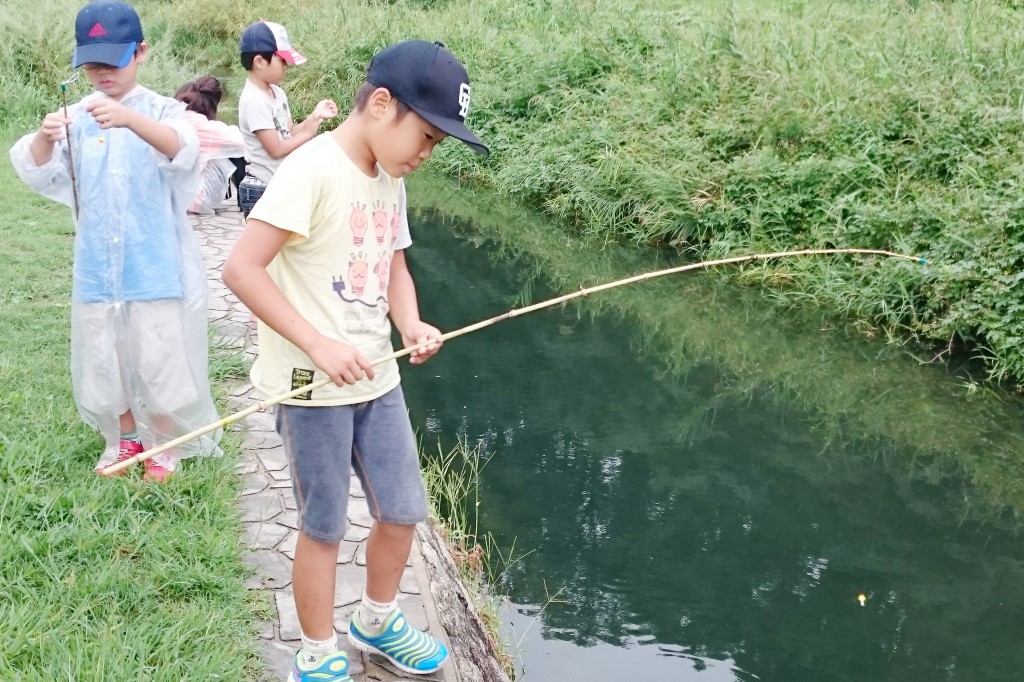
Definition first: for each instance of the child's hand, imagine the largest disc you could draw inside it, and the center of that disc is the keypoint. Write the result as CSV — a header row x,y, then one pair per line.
x,y
421,332
341,362
53,127
325,109
111,114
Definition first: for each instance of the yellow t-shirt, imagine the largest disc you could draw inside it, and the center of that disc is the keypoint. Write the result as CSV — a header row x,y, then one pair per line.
x,y
334,268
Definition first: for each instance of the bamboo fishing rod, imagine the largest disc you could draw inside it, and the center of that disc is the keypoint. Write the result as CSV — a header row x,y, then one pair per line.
x,y
517,312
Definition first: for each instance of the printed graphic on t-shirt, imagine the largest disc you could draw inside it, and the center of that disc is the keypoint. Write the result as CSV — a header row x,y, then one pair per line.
x,y
302,377
380,221
367,273
357,222
383,269
281,118
360,321
395,225
357,273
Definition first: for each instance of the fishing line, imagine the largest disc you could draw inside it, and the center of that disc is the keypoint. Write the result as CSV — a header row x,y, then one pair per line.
x,y
230,419
862,597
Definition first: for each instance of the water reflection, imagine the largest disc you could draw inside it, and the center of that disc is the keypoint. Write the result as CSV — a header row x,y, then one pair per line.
x,y
683,520
643,659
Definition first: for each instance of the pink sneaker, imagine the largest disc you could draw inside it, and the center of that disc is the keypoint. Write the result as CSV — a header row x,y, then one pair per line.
x,y
126,449
155,472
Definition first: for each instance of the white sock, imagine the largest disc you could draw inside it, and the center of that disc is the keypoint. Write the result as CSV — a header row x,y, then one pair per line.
x,y
314,651
372,614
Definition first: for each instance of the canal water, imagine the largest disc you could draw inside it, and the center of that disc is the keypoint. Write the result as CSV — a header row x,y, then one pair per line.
x,y
685,481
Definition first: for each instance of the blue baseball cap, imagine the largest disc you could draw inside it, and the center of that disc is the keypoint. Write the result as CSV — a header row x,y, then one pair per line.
x,y
266,36
106,32
428,79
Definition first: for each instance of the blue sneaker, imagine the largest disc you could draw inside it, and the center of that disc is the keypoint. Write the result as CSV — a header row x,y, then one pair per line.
x,y
406,648
334,668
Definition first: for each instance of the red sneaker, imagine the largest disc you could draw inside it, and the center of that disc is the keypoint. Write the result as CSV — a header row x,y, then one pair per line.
x,y
126,450
156,473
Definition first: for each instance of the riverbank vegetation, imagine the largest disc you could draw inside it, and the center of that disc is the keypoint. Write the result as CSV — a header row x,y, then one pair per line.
x,y
702,127
749,127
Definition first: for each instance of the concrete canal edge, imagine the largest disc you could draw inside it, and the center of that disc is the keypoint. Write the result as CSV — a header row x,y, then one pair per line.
x,y
431,593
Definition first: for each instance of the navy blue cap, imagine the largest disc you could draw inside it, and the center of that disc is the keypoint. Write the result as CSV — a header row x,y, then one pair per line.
x,y
428,79
106,32
266,36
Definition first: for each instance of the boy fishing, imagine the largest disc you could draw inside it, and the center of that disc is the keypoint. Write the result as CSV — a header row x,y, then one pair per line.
x,y
138,310
327,282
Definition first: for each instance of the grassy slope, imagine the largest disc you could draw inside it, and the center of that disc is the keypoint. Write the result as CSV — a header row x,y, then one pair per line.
x,y
757,126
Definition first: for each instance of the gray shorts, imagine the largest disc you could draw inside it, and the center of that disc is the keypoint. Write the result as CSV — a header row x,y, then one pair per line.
x,y
326,444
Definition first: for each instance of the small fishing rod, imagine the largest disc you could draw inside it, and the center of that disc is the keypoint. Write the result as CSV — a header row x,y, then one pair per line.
x,y
67,131
264,404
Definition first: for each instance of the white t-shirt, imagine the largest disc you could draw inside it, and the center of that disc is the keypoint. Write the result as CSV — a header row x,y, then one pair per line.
x,y
335,267
259,111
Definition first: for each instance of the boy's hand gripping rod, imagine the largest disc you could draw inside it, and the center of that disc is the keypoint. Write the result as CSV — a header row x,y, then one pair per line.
x,y
230,419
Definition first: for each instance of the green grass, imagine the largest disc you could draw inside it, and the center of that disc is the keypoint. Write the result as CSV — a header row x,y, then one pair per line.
x,y
100,579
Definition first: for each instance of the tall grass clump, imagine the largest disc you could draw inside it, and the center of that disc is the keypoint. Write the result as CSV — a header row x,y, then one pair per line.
x,y
742,127
452,480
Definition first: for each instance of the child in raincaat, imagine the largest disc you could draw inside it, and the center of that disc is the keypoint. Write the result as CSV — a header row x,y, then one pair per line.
x,y
327,283
263,114
138,302
220,144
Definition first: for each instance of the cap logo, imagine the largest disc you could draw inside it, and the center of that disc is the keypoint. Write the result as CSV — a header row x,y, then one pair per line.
x,y
97,31
463,100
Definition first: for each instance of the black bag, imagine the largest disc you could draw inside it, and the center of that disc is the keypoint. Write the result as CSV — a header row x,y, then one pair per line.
x,y
236,178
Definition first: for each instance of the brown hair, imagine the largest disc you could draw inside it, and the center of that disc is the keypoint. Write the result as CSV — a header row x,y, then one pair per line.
x,y
203,96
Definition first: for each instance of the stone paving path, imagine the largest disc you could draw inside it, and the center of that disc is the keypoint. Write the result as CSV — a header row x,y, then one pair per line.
x,y
268,509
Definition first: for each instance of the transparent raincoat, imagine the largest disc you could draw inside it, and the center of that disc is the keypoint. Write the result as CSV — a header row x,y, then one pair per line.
x,y
139,297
